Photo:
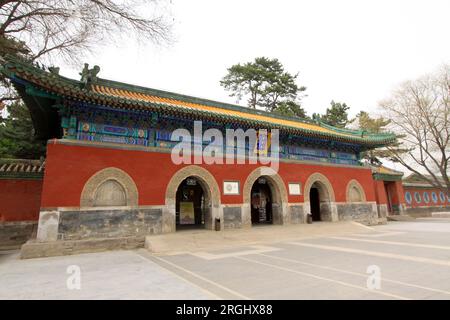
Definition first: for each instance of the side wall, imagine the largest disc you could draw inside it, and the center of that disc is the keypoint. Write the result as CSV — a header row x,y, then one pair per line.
x,y
20,199
19,210
425,201
381,198
395,189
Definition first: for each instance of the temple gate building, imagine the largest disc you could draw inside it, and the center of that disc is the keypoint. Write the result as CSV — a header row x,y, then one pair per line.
x,y
109,172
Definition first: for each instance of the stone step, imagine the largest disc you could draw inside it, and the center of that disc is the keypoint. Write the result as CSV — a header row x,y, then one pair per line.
x,y
445,214
400,217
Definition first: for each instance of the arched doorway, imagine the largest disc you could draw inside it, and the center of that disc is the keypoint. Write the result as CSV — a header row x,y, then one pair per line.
x,y
261,202
264,198
191,204
314,202
319,202
209,191
320,199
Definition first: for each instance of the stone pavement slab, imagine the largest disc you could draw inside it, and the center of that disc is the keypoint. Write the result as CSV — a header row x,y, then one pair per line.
x,y
319,261
200,240
105,275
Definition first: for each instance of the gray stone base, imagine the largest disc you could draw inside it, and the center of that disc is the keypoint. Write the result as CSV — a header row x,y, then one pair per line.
x,y
232,217
297,214
364,212
35,249
443,214
88,224
425,211
97,223
382,210
14,234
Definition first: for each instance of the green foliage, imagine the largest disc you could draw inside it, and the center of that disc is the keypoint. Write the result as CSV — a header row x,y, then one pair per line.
x,y
365,122
336,115
266,85
290,109
375,125
17,135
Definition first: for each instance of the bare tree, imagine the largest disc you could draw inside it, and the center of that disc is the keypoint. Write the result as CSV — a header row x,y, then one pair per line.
x,y
420,113
43,29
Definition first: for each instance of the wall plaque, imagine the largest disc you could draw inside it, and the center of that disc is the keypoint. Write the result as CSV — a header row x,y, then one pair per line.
x,y
294,189
231,187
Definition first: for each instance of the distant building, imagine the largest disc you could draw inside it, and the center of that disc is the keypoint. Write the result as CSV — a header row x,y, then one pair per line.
x,y
421,198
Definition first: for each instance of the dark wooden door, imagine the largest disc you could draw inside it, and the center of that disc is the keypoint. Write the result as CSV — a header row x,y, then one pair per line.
x,y
315,204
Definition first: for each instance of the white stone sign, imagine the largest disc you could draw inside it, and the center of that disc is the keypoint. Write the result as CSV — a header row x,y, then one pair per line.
x,y
294,189
231,187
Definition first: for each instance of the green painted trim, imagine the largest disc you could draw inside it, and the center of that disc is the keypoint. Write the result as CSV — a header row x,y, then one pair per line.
x,y
35,92
407,186
387,177
21,176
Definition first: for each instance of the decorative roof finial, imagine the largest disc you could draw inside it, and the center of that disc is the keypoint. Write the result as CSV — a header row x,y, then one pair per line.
x,y
89,76
54,70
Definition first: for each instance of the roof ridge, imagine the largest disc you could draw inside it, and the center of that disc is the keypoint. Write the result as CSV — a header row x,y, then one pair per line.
x,y
192,99
359,131
40,71
23,166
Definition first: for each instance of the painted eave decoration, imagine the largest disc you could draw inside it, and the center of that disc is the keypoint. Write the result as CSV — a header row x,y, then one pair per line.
x,y
46,82
386,174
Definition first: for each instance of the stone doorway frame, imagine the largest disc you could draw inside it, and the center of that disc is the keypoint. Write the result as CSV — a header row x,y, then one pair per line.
x,y
328,208
211,192
278,193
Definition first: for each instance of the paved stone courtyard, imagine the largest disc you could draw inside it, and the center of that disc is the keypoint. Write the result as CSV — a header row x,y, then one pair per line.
x,y
413,260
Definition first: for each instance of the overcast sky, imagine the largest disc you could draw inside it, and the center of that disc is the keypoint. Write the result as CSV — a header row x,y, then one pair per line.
x,y
349,51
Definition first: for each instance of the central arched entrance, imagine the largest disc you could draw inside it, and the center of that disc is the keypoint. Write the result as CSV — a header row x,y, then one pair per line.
x,y
261,202
191,204
264,198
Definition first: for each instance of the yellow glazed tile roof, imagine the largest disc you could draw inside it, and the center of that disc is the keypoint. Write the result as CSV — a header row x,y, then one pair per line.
x,y
386,170
120,93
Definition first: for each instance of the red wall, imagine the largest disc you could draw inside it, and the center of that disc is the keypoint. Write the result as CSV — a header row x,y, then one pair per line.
x,y
421,191
395,189
20,199
380,192
69,167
